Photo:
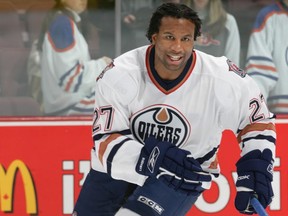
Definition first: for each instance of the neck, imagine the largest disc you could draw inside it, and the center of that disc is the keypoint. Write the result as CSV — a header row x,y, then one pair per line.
x,y
166,74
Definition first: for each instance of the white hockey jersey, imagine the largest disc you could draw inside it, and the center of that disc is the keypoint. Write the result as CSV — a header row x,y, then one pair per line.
x,y
211,95
68,73
267,57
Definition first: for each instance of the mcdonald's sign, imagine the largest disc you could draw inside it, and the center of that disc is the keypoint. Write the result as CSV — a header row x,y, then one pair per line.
x,y
52,188
7,179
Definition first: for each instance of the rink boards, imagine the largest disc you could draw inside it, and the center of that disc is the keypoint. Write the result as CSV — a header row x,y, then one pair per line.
x,y
43,162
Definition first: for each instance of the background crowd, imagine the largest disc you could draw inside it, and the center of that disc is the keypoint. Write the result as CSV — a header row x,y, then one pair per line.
x,y
53,77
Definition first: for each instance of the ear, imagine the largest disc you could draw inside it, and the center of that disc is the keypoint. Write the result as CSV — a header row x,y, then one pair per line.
x,y
153,38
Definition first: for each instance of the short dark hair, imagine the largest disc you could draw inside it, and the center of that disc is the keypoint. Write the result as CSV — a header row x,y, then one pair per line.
x,y
174,10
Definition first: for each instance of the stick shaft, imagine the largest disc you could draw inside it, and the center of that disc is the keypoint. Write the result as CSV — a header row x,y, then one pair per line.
x,y
258,207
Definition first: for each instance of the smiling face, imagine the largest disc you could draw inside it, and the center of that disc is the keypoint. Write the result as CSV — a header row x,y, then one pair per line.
x,y
173,46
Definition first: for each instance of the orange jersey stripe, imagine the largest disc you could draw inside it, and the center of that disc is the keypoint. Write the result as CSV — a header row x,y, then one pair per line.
x,y
255,127
273,69
268,16
104,144
87,102
68,86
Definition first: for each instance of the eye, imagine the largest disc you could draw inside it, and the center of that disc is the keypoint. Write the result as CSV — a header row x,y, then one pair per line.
x,y
186,39
169,37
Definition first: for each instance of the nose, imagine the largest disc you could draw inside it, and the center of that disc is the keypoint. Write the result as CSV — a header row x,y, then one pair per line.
x,y
177,46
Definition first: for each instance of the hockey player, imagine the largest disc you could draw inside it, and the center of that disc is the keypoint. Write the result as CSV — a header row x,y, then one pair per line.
x,y
160,111
68,73
267,57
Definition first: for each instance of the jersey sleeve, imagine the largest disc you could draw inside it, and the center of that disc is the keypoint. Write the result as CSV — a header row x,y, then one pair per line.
x,y
260,64
247,115
115,151
72,66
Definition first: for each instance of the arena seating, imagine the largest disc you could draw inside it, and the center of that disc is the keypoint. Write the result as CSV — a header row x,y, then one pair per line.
x,y
15,98
13,74
10,25
20,22
19,106
35,15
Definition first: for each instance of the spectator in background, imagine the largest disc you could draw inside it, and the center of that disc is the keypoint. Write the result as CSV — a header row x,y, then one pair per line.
x,y
67,72
135,19
267,56
219,34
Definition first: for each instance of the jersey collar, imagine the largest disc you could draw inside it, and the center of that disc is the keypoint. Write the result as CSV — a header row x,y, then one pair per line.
x,y
163,85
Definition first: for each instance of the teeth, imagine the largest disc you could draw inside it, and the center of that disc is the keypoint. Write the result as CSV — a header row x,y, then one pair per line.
x,y
175,58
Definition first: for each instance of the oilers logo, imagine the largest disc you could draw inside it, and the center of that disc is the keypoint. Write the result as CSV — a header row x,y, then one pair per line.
x,y
163,122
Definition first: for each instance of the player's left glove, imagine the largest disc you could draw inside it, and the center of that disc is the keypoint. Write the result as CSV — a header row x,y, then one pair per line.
x,y
255,174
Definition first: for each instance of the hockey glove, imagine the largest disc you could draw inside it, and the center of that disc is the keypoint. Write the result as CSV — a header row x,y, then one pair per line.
x,y
171,165
255,174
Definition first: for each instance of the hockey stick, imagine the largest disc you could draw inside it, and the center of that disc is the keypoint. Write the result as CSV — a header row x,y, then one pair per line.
x,y
258,207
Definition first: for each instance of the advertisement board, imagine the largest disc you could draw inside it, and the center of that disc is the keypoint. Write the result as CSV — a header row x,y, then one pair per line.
x,y
44,162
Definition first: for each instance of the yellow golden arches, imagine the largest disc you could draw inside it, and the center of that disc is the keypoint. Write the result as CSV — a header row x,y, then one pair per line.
x,y
7,179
